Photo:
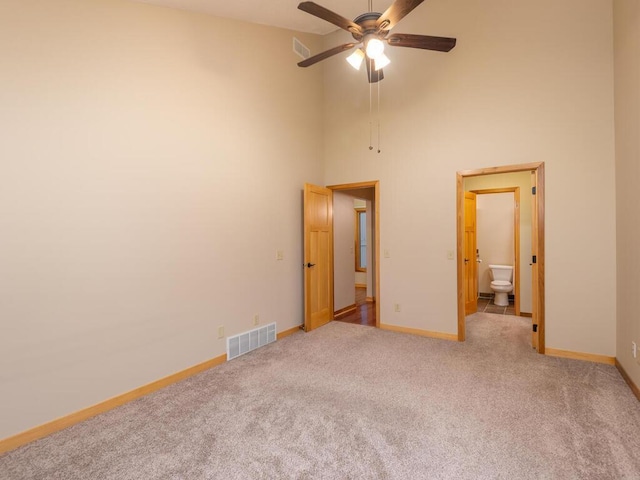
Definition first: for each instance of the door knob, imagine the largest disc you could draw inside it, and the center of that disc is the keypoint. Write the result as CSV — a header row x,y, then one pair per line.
x,y
309,265
466,260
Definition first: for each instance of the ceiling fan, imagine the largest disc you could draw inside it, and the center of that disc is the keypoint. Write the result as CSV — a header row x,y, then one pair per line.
x,y
370,30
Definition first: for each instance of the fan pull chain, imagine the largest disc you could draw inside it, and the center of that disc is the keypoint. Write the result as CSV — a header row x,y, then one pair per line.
x,y
370,111
378,116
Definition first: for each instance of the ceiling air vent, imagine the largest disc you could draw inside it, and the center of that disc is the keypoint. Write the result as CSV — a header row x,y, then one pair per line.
x,y
300,49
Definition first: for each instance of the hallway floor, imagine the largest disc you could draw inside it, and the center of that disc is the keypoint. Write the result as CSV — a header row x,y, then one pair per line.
x,y
365,312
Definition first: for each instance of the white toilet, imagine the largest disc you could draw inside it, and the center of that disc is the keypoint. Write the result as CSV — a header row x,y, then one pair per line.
x,y
501,283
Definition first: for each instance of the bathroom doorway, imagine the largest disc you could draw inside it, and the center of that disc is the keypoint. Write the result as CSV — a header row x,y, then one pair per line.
x,y
534,253
498,238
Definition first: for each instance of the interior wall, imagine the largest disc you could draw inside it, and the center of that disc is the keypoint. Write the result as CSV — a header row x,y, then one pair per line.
x,y
151,168
527,82
371,266
522,180
495,235
343,251
627,118
361,277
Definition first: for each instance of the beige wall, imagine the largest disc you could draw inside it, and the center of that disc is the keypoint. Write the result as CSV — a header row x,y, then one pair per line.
x,y
361,277
371,259
627,101
522,180
150,168
151,164
527,82
343,251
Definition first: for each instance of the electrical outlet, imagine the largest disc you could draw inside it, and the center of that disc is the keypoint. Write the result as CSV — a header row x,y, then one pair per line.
x,y
634,349
387,253
396,307
279,255
221,331
256,319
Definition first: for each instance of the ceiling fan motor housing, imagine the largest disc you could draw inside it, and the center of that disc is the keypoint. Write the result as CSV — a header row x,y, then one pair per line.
x,y
368,22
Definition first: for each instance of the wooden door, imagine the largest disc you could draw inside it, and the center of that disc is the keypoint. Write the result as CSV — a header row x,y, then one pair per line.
x,y
535,313
470,246
318,256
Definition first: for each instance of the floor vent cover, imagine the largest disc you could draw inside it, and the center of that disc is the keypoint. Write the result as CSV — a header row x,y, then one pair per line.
x,y
301,49
245,342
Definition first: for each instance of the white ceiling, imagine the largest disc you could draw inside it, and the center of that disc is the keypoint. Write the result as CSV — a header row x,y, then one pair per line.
x,y
277,13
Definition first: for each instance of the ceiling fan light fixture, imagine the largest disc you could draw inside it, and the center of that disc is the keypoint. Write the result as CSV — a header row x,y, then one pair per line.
x,y
374,48
356,58
381,62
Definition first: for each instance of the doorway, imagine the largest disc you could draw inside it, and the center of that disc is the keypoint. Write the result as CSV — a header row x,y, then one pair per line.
x,y
537,246
318,247
370,193
500,239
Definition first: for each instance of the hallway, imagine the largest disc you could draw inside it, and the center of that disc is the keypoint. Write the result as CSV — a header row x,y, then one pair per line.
x,y
365,312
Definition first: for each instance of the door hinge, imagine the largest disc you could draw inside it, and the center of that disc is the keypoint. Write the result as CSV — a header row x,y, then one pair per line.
x,y
535,328
533,190
534,259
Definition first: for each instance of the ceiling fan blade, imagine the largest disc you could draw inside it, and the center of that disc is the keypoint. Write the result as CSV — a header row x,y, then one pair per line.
x,y
329,16
396,12
373,75
329,53
440,44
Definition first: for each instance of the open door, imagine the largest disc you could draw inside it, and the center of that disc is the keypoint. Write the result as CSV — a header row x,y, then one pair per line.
x,y
318,256
470,249
537,258
537,247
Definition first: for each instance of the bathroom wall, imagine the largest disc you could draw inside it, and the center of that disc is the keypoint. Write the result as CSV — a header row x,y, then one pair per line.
x,y
495,234
522,180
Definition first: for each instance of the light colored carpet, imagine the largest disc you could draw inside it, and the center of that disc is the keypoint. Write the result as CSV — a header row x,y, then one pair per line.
x,y
348,401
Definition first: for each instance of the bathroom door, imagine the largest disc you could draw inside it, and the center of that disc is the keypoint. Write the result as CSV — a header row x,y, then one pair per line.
x,y
470,246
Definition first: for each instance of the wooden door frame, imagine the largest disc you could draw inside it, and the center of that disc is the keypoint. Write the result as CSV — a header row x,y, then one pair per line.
x,y
538,297
516,236
375,184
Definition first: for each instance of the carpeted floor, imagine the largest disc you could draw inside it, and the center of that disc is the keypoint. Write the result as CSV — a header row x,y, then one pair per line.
x,y
348,401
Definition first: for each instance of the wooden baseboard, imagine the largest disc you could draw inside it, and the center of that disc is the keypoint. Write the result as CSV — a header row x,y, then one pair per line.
x,y
344,310
417,331
526,314
288,332
370,300
587,357
61,423
634,388
361,285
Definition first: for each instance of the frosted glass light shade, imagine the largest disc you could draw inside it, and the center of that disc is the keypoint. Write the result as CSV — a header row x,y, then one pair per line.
x,y
381,62
375,48
356,58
